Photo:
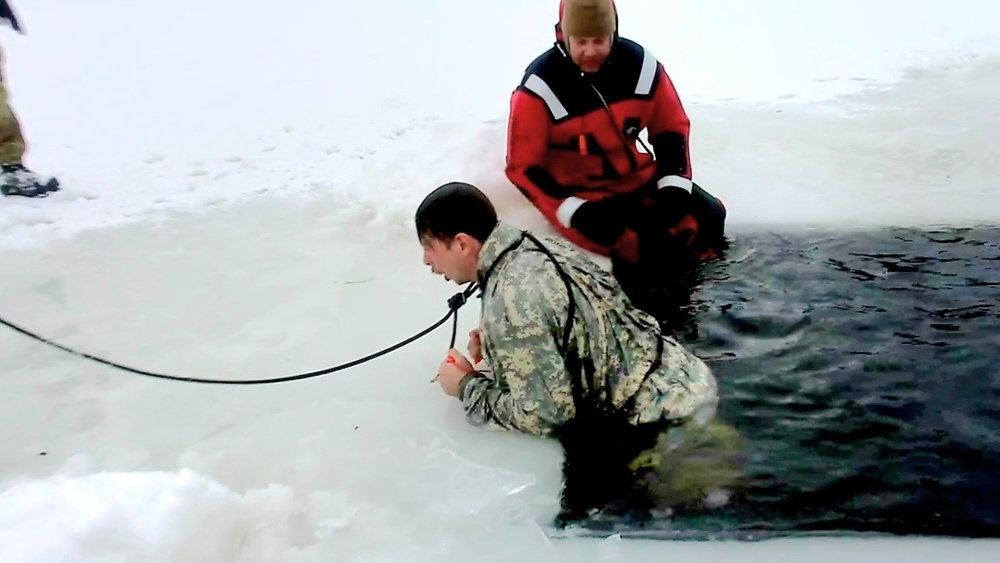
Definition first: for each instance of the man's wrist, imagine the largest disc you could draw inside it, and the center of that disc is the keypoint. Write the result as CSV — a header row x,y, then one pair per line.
x,y
466,380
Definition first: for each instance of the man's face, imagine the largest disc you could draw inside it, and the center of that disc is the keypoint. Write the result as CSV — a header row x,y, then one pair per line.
x,y
589,53
455,260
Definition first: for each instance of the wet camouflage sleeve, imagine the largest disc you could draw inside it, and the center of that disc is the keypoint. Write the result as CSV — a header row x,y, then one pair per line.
x,y
530,390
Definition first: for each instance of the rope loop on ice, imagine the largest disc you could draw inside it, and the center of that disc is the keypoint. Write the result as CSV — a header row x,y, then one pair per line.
x,y
455,302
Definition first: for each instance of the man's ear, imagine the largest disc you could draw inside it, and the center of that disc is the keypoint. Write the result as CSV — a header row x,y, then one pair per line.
x,y
466,242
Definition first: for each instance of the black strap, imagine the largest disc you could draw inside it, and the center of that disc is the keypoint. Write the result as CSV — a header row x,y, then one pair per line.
x,y
564,349
576,364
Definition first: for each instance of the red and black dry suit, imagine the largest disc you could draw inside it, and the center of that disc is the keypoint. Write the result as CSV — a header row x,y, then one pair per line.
x,y
572,143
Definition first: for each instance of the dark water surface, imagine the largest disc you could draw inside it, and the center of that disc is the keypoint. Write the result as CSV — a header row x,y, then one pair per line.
x,y
864,371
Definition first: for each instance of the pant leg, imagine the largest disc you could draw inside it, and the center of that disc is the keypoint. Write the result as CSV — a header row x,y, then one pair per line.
x,y
12,144
598,450
695,466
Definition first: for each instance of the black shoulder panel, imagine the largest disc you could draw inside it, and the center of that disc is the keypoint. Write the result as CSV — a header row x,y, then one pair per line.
x,y
570,93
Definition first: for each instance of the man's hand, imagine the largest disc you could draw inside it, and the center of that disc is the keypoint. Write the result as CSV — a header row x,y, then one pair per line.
x,y
604,220
671,205
475,346
452,371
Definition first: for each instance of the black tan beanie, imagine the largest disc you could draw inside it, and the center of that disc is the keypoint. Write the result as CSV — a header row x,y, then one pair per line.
x,y
588,18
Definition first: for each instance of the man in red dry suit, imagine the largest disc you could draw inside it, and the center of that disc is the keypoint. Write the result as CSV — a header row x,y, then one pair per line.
x,y
573,149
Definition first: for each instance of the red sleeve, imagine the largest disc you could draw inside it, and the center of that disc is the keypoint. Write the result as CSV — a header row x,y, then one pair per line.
x,y
527,148
669,130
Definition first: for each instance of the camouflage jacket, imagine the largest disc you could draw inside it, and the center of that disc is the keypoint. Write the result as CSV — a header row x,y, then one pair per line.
x,y
525,305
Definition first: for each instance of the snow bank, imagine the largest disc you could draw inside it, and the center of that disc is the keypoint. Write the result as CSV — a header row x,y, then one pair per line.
x,y
153,517
370,119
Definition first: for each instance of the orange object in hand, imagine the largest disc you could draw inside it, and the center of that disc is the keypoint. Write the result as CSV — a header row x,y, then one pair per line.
x,y
451,359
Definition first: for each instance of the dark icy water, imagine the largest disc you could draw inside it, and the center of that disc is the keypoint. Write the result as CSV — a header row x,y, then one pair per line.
x,y
863,369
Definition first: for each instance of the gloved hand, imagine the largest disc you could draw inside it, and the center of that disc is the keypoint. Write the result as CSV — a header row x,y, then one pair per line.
x,y
603,221
668,247
667,228
671,205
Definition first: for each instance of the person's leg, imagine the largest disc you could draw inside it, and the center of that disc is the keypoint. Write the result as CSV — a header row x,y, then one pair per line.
x,y
15,178
698,464
599,482
696,467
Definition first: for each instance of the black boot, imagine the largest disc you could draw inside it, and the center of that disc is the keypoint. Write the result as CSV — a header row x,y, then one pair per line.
x,y
15,179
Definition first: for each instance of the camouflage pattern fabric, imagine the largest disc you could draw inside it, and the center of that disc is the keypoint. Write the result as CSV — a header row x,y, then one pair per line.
x,y
524,309
694,466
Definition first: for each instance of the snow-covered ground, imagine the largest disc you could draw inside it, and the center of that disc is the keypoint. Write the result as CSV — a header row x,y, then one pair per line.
x,y
240,178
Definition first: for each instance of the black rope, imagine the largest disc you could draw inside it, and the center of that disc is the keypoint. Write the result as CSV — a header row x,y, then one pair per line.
x,y
455,302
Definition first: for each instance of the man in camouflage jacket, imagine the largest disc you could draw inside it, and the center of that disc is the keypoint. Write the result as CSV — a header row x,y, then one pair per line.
x,y
525,308
567,354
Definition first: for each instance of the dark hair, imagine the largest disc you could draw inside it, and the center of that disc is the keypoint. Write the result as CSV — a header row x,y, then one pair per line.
x,y
455,207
